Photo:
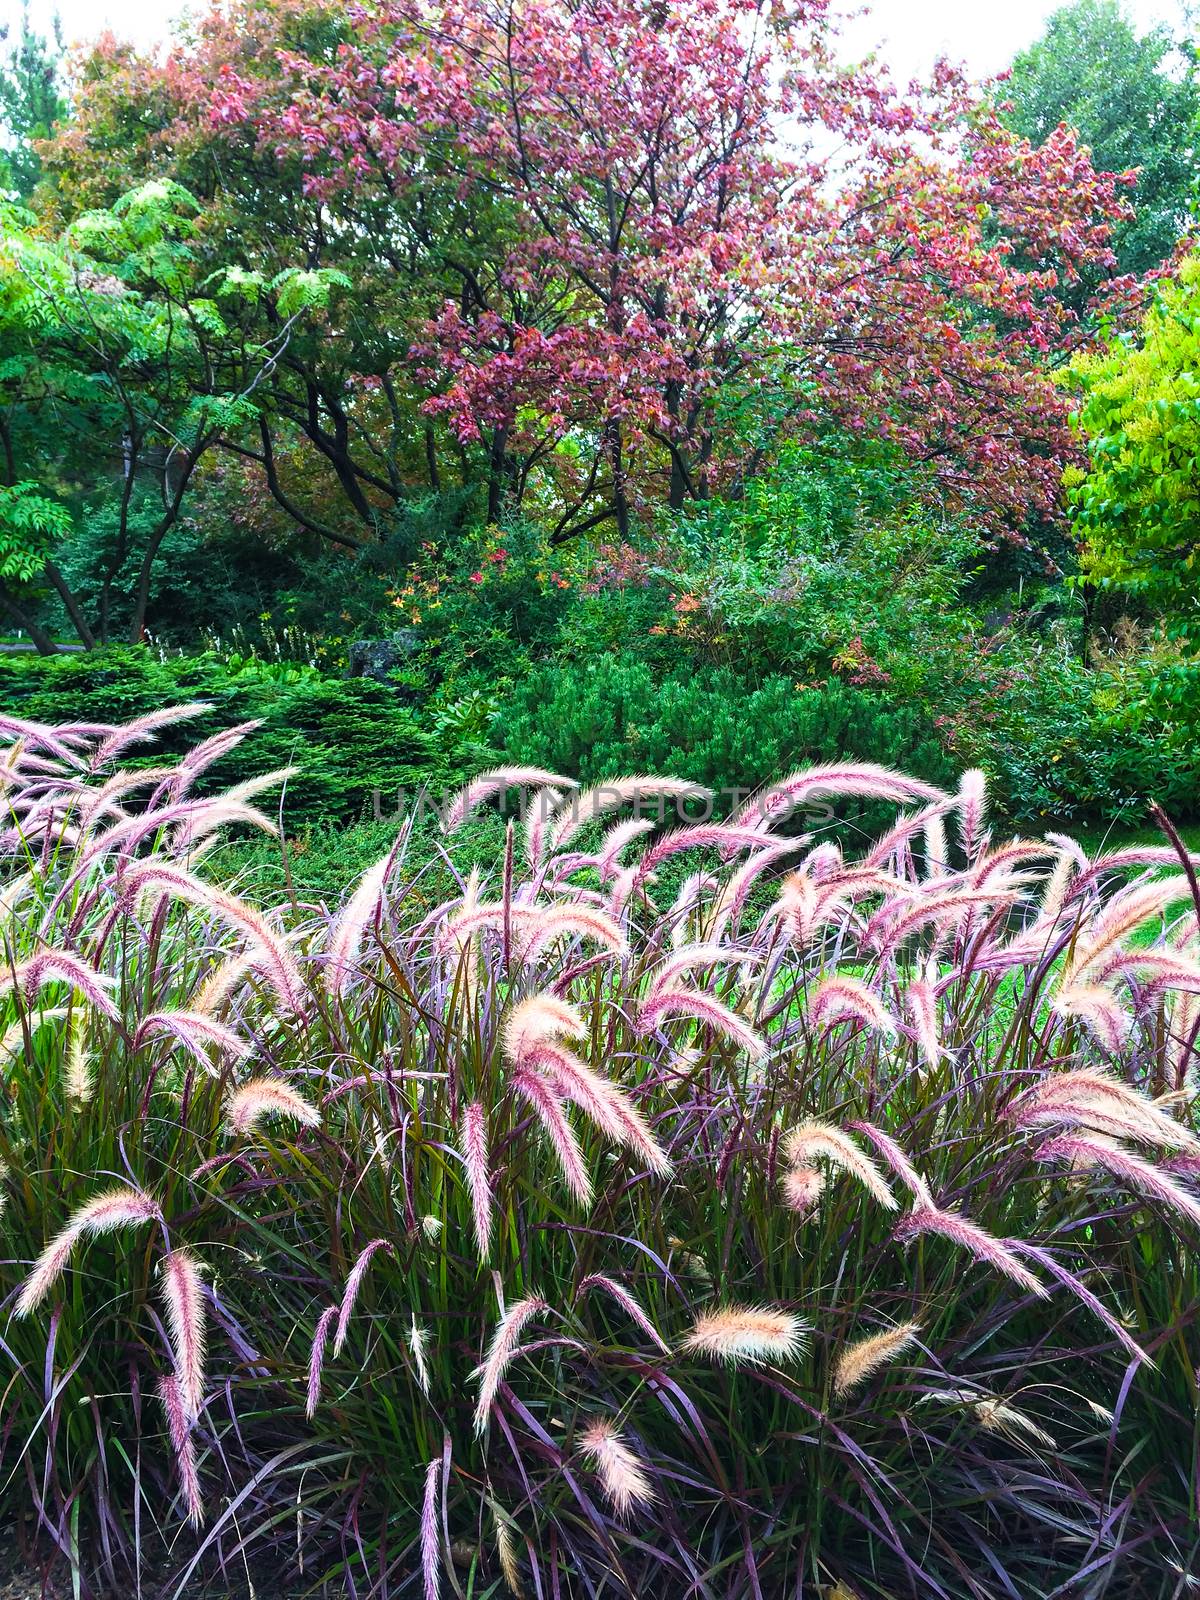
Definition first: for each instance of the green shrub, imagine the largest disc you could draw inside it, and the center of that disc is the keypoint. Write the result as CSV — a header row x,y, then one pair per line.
x,y
354,735
618,715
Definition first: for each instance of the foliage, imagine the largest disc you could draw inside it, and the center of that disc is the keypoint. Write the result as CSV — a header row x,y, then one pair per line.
x,y
578,259
1135,103
350,737
1137,508
479,1233
612,715
31,102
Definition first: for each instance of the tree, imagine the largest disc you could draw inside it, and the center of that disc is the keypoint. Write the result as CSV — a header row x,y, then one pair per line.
x,y
579,245
31,103
123,363
1135,103
1137,508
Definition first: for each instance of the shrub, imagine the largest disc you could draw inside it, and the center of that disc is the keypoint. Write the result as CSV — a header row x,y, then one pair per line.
x,y
592,1245
614,715
350,737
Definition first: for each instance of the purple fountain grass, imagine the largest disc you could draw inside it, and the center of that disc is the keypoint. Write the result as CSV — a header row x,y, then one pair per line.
x,y
972,812
1092,1097
920,1001
861,779
1099,1009
489,784
120,1207
616,841
613,793
316,1359
598,1280
747,1335
860,1360
843,999
820,1141
673,1000
547,1107
431,1550
969,1236
183,1292
504,1344
183,1446
194,1032
898,1161
473,1143
1089,1151
268,1097
802,1186
27,978
354,1283
624,1479
696,958
272,955
346,935
144,729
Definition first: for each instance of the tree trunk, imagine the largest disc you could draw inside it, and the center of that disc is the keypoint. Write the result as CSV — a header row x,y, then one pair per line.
x,y
80,623
42,642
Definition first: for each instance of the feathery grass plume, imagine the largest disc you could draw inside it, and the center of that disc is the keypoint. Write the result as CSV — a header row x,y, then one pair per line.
x,y
418,1339
897,1160
1096,1098
316,1358
272,955
193,1030
353,1284
489,784
997,1416
346,935
184,1295
431,1557
969,1236
598,1280
936,846
268,1097
673,1000
814,1141
13,1039
143,729
839,999
896,920
1185,1036
920,1001
747,1335
503,1346
624,1480
541,1016
726,837
219,983
1132,1171
864,779
734,893
803,1187
209,751
473,1144
119,1207
692,958
614,793
616,840
180,1433
77,1069
59,966
1127,911
506,1549
1057,884
859,1360
573,921
547,1107
972,812
1099,1009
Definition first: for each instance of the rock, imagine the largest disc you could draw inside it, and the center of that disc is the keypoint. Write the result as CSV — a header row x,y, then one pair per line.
x,y
377,658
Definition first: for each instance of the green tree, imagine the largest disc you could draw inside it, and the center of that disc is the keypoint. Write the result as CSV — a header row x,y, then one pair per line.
x,y
124,361
1137,510
31,102
1134,100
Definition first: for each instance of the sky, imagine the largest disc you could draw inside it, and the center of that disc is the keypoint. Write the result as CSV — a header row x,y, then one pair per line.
x,y
909,34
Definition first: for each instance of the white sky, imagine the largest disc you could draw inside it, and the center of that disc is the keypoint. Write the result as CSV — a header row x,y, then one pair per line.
x,y
910,34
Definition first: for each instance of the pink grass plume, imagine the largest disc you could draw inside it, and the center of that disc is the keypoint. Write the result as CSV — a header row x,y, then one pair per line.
x,y
747,1335
116,1208
622,1296
268,1097
316,1358
625,1482
431,1559
183,1292
182,1444
353,1284
969,1236
504,1344
473,1144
